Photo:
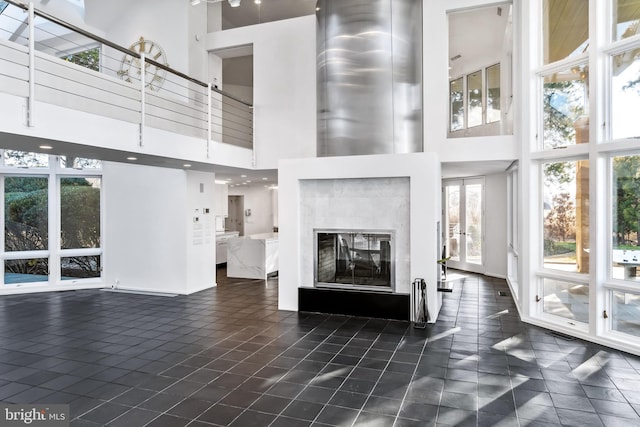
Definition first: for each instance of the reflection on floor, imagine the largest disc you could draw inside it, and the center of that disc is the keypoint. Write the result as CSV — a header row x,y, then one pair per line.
x,y
227,356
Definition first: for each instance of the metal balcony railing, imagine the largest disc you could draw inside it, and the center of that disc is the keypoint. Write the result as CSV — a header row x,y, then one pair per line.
x,y
46,59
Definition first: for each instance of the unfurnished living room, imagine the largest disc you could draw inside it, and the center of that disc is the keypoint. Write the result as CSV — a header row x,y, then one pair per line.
x,y
320,213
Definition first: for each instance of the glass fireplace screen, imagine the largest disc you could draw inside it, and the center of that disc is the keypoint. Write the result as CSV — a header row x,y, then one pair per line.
x,y
354,259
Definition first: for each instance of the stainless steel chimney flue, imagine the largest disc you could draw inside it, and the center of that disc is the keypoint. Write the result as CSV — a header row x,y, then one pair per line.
x,y
369,63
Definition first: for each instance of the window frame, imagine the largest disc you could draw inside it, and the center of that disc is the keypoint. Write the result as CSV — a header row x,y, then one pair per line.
x,y
55,172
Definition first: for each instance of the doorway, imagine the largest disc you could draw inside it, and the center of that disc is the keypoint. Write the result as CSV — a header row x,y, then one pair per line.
x,y
464,223
235,219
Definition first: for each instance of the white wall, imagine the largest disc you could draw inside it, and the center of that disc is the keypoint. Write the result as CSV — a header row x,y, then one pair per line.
x,y
495,247
200,242
165,22
150,240
245,93
260,200
284,86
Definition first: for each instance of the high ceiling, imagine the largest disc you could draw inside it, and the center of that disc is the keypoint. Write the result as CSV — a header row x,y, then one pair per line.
x,y
477,37
481,40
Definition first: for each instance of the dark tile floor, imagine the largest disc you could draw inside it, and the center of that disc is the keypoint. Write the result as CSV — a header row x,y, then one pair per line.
x,y
227,356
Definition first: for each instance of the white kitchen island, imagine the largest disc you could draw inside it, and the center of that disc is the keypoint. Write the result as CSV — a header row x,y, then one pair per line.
x,y
252,257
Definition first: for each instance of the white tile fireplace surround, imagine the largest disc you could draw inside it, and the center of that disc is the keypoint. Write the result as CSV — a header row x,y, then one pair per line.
x,y
398,192
356,204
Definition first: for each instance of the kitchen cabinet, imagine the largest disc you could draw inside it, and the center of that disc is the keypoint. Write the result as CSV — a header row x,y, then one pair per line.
x,y
253,257
222,240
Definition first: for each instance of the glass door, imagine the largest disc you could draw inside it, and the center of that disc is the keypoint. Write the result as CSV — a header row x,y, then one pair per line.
x,y
464,223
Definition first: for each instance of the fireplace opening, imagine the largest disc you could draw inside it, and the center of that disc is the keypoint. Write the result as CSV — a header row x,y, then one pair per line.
x,y
354,259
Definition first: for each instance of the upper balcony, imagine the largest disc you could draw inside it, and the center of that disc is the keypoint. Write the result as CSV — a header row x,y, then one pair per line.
x,y
60,82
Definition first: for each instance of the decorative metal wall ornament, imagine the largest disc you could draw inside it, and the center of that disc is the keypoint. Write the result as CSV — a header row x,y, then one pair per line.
x,y
131,67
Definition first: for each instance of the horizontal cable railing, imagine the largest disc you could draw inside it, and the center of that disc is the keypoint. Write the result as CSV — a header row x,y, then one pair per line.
x,y
45,58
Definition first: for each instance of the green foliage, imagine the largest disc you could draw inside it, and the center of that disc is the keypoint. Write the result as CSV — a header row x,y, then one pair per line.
x,y
75,182
26,220
626,173
80,216
27,216
24,184
558,248
558,174
627,247
89,58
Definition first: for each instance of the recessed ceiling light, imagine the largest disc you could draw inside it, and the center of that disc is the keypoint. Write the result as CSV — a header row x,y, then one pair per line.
x,y
257,1
46,147
187,165
132,158
248,181
229,179
264,179
243,176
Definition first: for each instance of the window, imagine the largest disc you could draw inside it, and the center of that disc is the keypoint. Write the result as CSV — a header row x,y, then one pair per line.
x,y
625,312
79,213
566,299
566,216
493,93
71,162
80,267
23,159
456,96
589,193
19,271
512,229
626,217
26,218
52,218
565,29
626,20
89,58
565,108
625,94
480,51
482,89
474,99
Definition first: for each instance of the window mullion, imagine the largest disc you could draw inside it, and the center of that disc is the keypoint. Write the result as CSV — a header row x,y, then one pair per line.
x,y
54,227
